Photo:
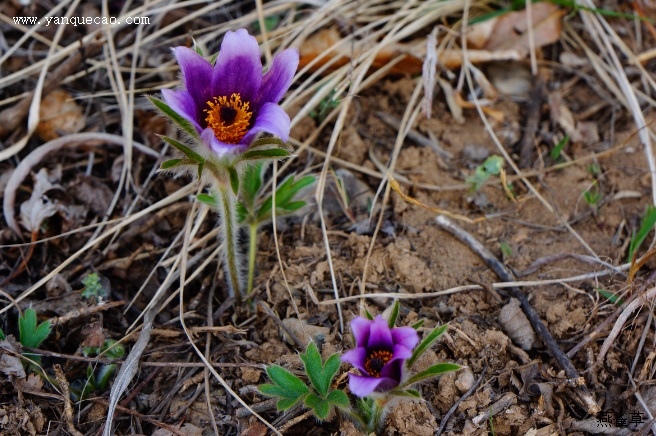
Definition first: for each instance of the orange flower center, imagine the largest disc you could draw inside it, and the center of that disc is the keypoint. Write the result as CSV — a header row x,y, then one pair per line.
x,y
228,118
376,361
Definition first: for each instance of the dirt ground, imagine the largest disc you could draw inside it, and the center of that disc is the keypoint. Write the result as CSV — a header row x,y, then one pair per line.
x,y
565,215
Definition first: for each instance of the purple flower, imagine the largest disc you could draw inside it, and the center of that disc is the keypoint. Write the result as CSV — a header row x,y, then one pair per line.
x,y
231,102
379,355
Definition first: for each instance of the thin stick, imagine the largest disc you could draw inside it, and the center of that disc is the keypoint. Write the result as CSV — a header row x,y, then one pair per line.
x,y
453,408
505,274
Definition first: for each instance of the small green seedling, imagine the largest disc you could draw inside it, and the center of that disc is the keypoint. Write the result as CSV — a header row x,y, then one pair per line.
x,y
613,298
491,167
31,335
325,107
555,152
318,396
593,195
97,381
506,251
93,287
648,222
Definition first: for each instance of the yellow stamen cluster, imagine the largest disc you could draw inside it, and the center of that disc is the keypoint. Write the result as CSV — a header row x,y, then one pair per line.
x,y
376,360
228,118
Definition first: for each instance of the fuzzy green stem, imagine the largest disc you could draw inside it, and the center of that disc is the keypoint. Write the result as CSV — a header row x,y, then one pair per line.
x,y
252,251
230,229
375,423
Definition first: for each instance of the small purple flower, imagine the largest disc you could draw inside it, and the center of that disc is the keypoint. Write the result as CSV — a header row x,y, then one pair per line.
x,y
231,102
380,354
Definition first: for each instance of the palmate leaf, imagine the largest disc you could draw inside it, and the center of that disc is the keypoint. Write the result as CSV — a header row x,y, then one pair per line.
x,y
426,343
433,371
175,117
284,195
320,375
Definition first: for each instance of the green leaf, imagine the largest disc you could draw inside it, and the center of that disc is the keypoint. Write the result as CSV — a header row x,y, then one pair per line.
x,y
406,393
32,336
368,315
183,148
209,200
197,49
286,403
269,153
234,179
330,369
491,166
293,206
285,192
314,368
426,343
433,371
170,164
648,221
175,117
201,166
268,141
418,324
555,152
613,298
320,406
251,182
394,314
287,380
276,391
104,375
338,398
2,335
112,350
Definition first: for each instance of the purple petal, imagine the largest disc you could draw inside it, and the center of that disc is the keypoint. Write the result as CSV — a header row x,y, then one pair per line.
x,y
271,119
380,335
406,336
220,148
356,357
361,386
238,67
393,370
276,81
360,329
183,103
401,352
196,74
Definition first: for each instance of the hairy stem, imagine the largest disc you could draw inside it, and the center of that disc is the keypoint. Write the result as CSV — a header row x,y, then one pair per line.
x,y
230,229
252,251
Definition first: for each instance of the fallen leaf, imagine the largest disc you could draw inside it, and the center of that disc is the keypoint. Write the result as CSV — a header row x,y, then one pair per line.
x,y
59,114
39,207
10,364
509,31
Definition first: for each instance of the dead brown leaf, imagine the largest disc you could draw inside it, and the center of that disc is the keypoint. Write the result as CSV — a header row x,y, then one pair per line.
x,y
509,31
59,114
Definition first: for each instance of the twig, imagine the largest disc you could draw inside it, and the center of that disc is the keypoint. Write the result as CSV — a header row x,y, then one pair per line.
x,y
506,401
414,135
453,408
265,307
532,120
583,394
140,416
68,406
